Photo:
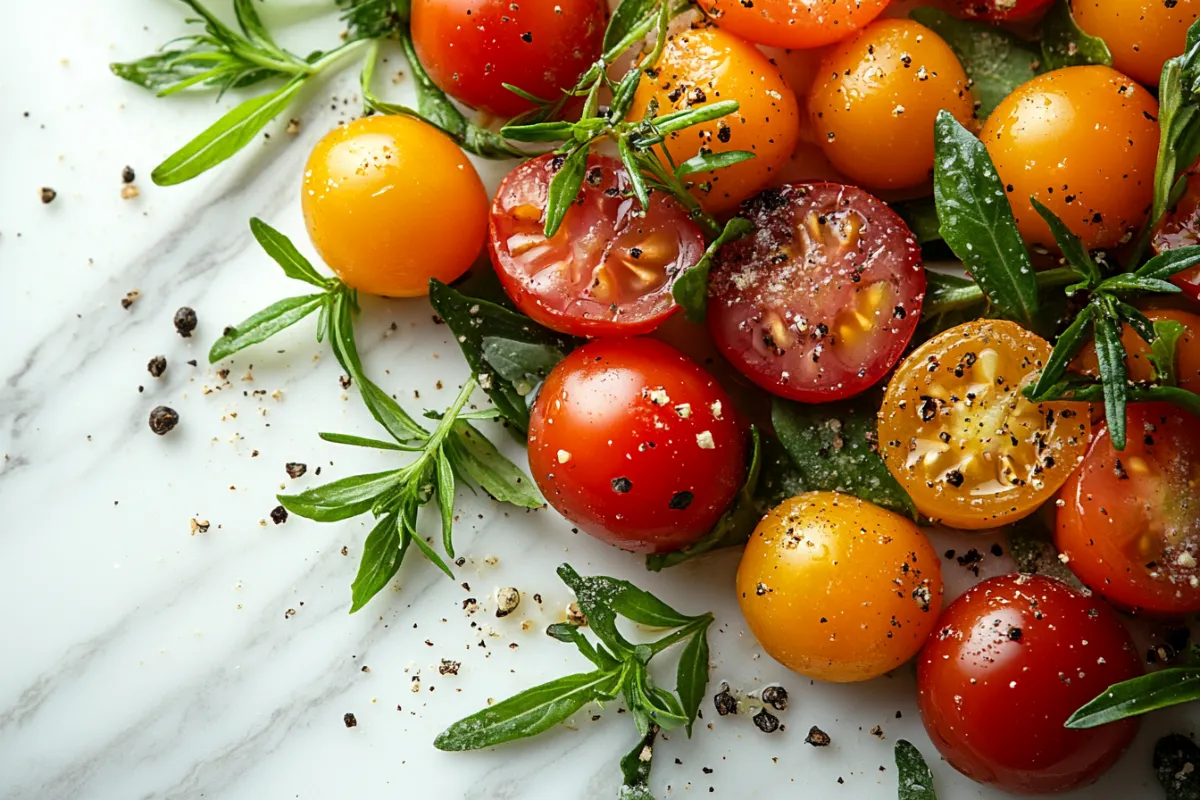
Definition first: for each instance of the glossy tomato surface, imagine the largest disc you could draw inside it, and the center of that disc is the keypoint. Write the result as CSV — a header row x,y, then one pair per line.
x,y
705,66
821,300
961,438
786,23
1138,365
471,48
1084,142
390,202
1130,520
1140,34
876,97
1011,660
609,269
635,444
839,589
1181,228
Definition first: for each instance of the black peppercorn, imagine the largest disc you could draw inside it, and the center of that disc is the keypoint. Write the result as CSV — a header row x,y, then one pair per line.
x,y
725,702
279,515
157,366
163,420
817,737
185,322
766,721
776,697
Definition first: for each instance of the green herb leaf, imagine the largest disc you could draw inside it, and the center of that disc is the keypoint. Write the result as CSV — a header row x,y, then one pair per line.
x,y
1135,319
445,498
341,499
690,289
635,765
424,547
478,459
530,712
687,117
1129,282
523,364
995,60
625,18
564,187
1131,698
1065,349
599,593
921,217
634,168
691,676
281,249
264,324
1177,765
834,448
1065,44
1167,263
706,162
1071,245
1110,355
1162,350
359,441
382,554
916,780
373,19
977,221
566,632
539,132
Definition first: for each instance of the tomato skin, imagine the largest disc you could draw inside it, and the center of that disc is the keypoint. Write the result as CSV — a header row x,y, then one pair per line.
x,y
1181,227
608,271
1093,134
1011,660
838,589
1140,34
707,65
1137,352
876,97
390,202
1001,10
1125,511
635,444
820,302
470,48
781,23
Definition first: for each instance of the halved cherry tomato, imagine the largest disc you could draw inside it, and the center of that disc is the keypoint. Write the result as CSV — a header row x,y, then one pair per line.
x,y
1130,523
1137,352
471,48
390,202
636,445
821,300
960,437
1140,34
786,23
1011,660
609,268
1181,227
839,589
1001,10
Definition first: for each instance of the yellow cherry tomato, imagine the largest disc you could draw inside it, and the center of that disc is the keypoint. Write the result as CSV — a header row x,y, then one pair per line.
x,y
1140,34
875,99
786,23
1084,142
706,66
390,202
839,589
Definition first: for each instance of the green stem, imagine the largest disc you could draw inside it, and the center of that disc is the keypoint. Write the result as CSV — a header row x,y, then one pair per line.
x,y
447,422
681,634
967,296
711,227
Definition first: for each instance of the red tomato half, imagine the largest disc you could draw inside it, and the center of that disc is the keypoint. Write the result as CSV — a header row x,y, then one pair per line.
x,y
609,268
471,48
821,300
636,445
1181,227
1130,524
1010,661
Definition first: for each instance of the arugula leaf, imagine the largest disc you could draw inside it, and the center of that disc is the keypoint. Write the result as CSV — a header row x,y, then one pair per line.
x,y
834,448
1169,262
341,499
916,780
382,553
1177,765
566,632
690,289
1141,695
977,221
1065,44
360,441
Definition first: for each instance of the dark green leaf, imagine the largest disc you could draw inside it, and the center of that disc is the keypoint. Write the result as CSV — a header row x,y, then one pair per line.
x,y
1135,319
916,780
539,132
445,498
1065,349
341,499
409,522
478,459
1162,351
359,441
624,18
523,364
630,160
1071,245
663,707
635,766
530,712
373,19
1065,44
624,598
1177,765
280,248
1162,689
995,60
691,676
564,187
921,218
833,447
705,162
977,221
623,96
691,287
1169,262
1083,389
382,554
1110,355
566,632
264,324
1128,282
256,32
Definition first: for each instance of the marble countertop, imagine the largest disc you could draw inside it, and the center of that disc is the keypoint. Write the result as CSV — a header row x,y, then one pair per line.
x,y
144,658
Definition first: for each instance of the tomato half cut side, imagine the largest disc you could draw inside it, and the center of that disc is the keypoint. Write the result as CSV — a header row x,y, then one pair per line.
x,y
821,300
1130,520
609,268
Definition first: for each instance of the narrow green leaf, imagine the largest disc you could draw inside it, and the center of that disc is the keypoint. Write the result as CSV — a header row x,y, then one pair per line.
x,y
916,780
539,132
1162,350
359,441
1128,282
1071,245
1162,689
1169,262
1065,44
691,676
1135,319
256,32
423,546
624,598
530,712
564,187
977,221
662,707
341,499
1065,349
705,162
473,454
635,767
264,324
372,19
445,498
690,289
1110,355
383,552
566,632
634,169
280,248
1177,765
624,18
693,115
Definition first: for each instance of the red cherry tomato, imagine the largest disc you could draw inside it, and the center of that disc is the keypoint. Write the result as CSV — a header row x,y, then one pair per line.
x,y
609,268
471,48
1009,662
636,445
1001,10
822,299
1181,227
1130,525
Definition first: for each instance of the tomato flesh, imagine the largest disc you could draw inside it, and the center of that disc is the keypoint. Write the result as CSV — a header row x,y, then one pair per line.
x,y
609,268
1130,523
1011,660
635,444
821,300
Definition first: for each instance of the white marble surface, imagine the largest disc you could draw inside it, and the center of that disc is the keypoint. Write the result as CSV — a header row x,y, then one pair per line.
x,y
142,661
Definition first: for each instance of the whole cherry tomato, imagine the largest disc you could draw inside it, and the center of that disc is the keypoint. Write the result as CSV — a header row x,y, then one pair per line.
x,y
1011,660
786,23
636,445
1140,34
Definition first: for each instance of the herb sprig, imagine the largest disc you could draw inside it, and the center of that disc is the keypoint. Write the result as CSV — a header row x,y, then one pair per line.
x,y
620,670
1141,695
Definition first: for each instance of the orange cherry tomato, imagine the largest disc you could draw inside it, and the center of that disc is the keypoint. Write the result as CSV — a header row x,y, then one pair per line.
x,y
876,97
709,65
1137,352
839,589
1140,34
786,23
960,437
390,202
1084,142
